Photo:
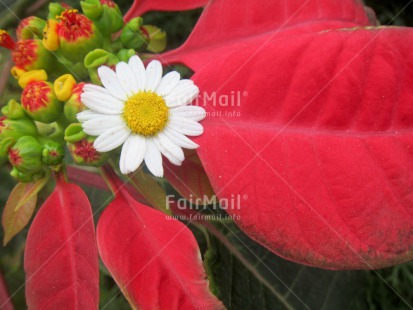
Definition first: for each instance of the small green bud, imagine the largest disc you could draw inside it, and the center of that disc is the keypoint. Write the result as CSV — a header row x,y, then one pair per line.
x,y
105,14
26,155
74,133
124,54
13,110
93,9
5,145
31,28
23,177
133,35
16,128
157,39
26,177
73,105
84,153
55,9
96,59
52,153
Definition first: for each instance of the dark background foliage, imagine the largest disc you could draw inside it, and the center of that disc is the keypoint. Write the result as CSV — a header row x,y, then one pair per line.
x,y
246,275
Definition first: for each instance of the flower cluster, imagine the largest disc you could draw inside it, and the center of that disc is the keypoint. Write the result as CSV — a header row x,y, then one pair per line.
x,y
60,64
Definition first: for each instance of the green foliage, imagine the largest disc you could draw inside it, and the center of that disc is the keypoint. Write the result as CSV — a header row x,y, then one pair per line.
x,y
392,12
245,275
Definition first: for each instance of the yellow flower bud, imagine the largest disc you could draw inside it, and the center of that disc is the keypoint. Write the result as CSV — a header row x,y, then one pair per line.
x,y
17,72
50,36
63,87
32,76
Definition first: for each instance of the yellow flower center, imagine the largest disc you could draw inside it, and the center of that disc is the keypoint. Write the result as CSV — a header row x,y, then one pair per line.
x,y
146,113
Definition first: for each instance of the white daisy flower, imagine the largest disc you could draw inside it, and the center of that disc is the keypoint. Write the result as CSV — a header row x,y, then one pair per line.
x,y
147,113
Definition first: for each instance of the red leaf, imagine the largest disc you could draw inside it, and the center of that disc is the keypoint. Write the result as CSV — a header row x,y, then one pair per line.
x,y
5,299
190,179
154,259
322,142
13,221
140,7
225,26
61,260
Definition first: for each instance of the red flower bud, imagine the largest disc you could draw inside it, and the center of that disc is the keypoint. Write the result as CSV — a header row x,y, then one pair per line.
x,y
84,153
31,55
26,155
77,34
6,40
40,102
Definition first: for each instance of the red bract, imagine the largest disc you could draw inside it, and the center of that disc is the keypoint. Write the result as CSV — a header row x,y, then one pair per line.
x,y
61,260
140,7
155,260
321,144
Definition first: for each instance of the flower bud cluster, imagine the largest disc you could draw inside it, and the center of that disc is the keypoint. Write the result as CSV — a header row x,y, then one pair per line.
x,y
53,59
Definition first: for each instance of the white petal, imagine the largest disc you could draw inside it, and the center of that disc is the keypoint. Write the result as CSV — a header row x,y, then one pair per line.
x,y
111,139
185,126
180,139
183,94
111,83
193,112
88,115
133,152
138,69
168,82
102,103
94,88
153,158
153,75
169,149
126,78
98,126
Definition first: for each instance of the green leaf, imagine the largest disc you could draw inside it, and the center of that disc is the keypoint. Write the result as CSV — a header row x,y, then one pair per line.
x,y
16,218
245,275
32,189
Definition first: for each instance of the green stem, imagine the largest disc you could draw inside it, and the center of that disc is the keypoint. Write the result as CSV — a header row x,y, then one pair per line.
x,y
150,190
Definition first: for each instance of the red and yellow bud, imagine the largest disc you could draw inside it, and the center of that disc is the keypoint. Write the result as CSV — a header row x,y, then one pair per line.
x,y
30,28
31,55
6,40
84,153
73,105
77,35
105,14
40,102
26,155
